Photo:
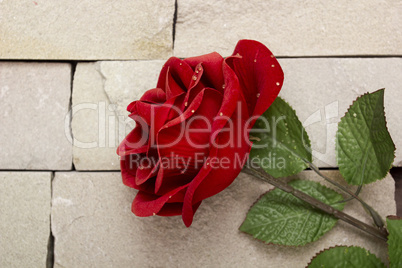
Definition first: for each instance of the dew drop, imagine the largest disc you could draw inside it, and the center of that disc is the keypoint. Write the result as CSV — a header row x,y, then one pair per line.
x,y
220,113
277,83
192,111
154,213
170,197
181,63
223,86
194,77
255,60
354,115
273,65
258,95
272,56
196,71
185,104
199,69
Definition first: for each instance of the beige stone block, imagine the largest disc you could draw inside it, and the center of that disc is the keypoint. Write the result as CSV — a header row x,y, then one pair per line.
x,y
101,93
34,116
321,91
25,218
94,227
86,30
290,28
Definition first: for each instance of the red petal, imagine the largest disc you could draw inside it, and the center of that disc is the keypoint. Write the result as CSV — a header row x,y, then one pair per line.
x,y
155,95
174,70
174,209
146,204
127,173
148,170
176,142
212,69
213,179
135,142
260,75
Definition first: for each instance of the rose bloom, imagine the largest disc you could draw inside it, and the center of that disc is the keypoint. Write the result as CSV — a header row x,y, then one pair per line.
x,y
192,131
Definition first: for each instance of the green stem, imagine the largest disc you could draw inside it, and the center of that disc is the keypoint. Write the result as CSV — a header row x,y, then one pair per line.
x,y
374,214
261,174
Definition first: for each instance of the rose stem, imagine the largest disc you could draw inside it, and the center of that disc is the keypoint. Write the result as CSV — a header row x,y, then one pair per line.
x,y
374,214
261,174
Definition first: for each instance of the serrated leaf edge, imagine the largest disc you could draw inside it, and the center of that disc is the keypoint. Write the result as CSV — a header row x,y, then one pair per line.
x,y
337,246
305,139
308,149
386,126
250,235
270,243
391,217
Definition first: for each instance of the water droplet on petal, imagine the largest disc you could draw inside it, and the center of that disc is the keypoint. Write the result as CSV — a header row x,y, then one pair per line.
x,y
185,104
181,63
220,113
272,56
192,111
154,213
277,83
273,65
258,95
223,86
194,77
255,60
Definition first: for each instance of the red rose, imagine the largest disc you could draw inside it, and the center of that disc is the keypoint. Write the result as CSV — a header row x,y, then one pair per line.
x,y
191,134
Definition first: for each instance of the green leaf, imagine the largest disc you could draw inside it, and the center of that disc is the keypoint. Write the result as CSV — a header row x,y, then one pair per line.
x,y
280,218
341,256
394,225
281,143
365,150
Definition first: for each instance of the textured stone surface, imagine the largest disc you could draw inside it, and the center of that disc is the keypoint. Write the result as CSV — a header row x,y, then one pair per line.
x,y
86,29
101,94
290,28
34,117
321,91
24,218
94,227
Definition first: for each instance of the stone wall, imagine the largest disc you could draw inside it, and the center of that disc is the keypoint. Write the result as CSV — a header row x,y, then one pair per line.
x,y
68,69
